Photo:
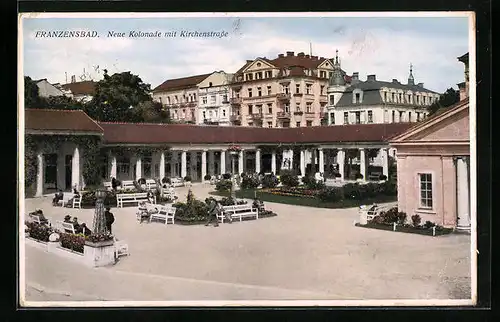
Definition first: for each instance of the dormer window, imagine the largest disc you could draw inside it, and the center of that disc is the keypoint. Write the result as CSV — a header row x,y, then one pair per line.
x,y
268,74
210,84
357,97
332,99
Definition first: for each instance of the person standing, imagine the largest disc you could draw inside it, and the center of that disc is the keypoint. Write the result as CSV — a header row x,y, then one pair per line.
x,y
110,219
212,212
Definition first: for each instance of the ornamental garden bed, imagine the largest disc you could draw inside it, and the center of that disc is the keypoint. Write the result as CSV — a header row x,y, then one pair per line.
x,y
438,231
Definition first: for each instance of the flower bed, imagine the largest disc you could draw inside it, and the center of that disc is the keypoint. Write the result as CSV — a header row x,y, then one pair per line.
x,y
39,232
405,228
72,242
293,191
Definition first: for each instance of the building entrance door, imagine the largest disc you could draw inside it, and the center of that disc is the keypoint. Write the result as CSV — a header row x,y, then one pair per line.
x,y
50,179
67,171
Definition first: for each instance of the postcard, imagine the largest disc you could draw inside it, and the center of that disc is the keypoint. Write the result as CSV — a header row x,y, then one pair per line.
x,y
247,159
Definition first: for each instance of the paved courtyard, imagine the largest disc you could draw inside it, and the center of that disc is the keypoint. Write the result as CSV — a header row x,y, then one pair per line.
x,y
303,253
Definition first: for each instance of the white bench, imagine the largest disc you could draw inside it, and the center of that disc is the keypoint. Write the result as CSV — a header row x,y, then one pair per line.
x,y
36,219
121,248
165,213
128,184
374,176
65,227
132,198
151,184
67,196
239,211
168,193
77,201
107,185
176,182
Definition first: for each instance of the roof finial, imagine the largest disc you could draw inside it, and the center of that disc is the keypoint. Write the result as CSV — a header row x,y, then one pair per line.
x,y
411,80
337,56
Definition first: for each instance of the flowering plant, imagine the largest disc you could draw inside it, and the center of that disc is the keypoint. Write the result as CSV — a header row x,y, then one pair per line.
x,y
234,148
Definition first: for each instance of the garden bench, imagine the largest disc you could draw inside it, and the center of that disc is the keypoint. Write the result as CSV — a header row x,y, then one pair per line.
x,y
65,227
151,184
374,210
374,176
67,196
121,248
36,219
107,185
132,198
165,213
239,211
77,201
128,184
176,182
168,193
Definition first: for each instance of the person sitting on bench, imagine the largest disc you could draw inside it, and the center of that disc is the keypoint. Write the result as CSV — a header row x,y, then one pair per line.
x,y
75,223
58,196
67,219
40,215
82,229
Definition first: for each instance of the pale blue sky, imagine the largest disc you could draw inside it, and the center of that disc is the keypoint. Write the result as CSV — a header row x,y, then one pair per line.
x,y
382,46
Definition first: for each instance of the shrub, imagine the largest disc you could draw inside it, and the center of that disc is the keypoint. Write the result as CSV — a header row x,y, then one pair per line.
x,y
89,199
166,180
337,175
429,224
250,182
382,177
390,216
289,179
401,218
141,181
390,188
377,220
416,220
358,176
193,211
371,190
187,178
73,242
226,176
243,175
269,181
331,194
351,191
227,201
38,231
223,185
207,177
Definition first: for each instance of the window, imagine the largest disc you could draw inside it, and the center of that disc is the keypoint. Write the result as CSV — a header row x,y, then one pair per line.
x,y
250,109
309,123
249,92
210,84
357,97
321,89
194,96
183,112
322,74
400,98
224,98
268,90
386,116
268,74
270,108
425,190
168,100
259,91
370,117
249,77
250,124
358,117
346,118
204,114
409,116
210,114
286,89
147,160
259,108
401,115
123,165
297,88
418,99
224,113
409,99
297,107
269,124
418,116
332,118
204,100
298,124
330,74
385,96
308,107
176,99
392,97
332,99
393,119
259,75
308,89
287,108
212,99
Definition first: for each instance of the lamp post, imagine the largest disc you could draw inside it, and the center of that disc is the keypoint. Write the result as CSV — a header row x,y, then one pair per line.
x,y
99,222
233,177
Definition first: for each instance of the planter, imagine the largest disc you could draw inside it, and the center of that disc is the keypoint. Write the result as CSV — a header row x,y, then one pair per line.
x,y
99,253
410,230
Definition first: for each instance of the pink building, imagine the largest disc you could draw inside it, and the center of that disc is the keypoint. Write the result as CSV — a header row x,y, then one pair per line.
x,y
433,167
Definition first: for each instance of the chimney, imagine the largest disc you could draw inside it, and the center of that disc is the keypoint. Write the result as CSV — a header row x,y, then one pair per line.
x,y
355,78
307,56
300,54
394,80
290,53
73,78
314,57
371,78
322,58
281,55
420,85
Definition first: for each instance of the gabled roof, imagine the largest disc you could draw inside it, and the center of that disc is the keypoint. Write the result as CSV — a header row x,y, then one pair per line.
x,y
148,133
180,83
61,121
81,88
437,117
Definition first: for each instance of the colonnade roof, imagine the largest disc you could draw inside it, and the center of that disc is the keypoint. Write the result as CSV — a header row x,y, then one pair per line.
x,y
153,133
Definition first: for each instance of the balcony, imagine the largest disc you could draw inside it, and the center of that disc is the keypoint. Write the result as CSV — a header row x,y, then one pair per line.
x,y
257,116
191,104
322,115
235,100
310,115
235,118
299,113
298,94
283,96
283,115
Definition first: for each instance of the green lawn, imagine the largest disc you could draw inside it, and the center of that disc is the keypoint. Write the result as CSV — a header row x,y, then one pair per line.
x,y
308,202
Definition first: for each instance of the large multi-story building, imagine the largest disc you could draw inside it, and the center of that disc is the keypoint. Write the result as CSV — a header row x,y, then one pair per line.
x,y
200,99
288,91
374,101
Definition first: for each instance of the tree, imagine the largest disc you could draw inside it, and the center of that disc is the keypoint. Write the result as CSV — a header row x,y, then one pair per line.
x,y
60,103
446,99
116,97
31,94
150,112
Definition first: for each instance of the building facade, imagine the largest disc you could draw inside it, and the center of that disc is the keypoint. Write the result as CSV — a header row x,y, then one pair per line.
x,y
433,164
46,89
374,101
288,91
82,91
213,105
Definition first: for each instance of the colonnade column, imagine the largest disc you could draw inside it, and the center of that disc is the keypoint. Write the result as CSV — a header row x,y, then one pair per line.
x,y
173,161
258,161
302,163
162,165
273,162
362,166
203,164
183,164
321,161
193,165
39,175
75,169
211,162
385,162
240,161
463,206
341,162
113,170
222,162
138,168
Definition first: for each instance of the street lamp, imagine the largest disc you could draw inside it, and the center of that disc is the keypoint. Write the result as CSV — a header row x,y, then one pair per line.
x,y
99,222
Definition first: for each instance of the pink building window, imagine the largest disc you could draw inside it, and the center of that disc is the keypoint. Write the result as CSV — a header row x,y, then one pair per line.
x,y
425,190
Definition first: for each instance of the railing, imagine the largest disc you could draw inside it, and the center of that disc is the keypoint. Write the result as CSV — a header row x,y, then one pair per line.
x,y
283,115
233,118
283,96
257,116
309,115
235,100
298,113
